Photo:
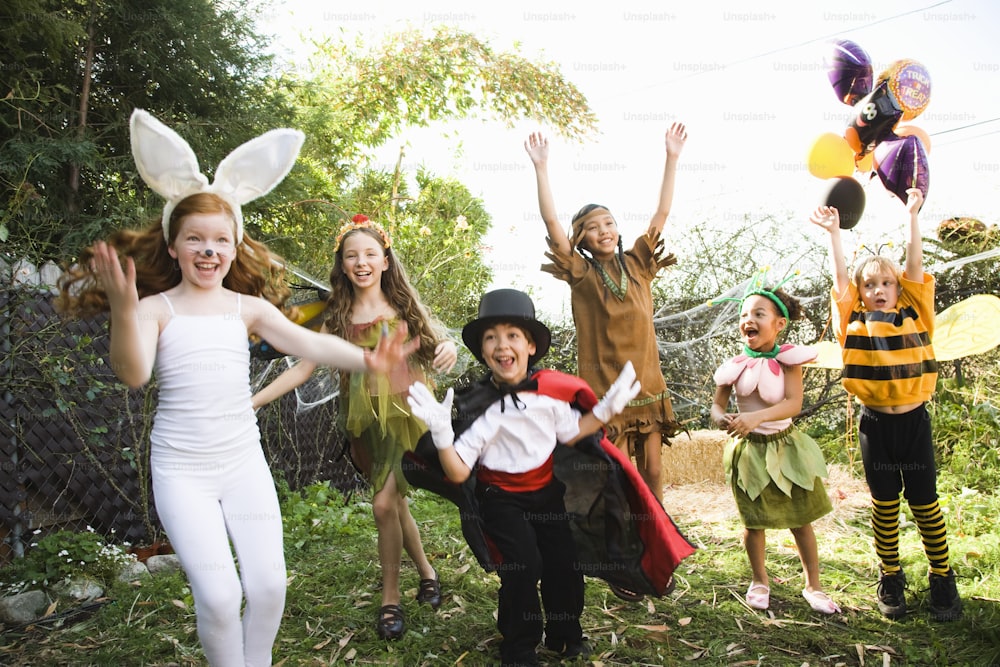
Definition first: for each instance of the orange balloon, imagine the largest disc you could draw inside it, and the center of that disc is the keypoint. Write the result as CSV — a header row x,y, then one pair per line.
x,y
918,132
831,157
866,163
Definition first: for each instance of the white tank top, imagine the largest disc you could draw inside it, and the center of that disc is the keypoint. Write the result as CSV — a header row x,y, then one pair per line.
x,y
203,371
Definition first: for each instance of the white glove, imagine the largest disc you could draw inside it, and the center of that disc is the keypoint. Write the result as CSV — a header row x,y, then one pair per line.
x,y
624,389
436,415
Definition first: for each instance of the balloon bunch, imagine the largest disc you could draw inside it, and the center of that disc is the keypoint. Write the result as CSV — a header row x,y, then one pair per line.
x,y
876,138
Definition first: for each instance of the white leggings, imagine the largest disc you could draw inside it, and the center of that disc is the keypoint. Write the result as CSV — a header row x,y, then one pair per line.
x,y
203,504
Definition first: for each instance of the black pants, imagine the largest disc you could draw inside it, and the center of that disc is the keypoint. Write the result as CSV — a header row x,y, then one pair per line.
x,y
531,530
898,455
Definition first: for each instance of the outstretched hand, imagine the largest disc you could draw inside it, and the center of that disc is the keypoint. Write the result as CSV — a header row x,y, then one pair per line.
x,y
391,350
623,390
118,285
827,217
436,415
676,138
445,356
537,147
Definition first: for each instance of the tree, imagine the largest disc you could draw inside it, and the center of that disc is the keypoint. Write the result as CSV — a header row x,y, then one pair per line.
x,y
358,98
82,66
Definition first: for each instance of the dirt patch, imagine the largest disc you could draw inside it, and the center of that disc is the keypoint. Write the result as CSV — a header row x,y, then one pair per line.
x,y
696,494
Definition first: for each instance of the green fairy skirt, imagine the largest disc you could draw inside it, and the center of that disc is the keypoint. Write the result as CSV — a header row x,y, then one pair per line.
x,y
777,479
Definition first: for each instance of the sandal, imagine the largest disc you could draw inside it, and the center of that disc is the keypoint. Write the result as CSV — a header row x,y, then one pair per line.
x,y
759,596
820,602
430,592
391,623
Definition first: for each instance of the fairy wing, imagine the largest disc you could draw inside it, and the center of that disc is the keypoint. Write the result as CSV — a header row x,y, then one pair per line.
x,y
309,300
828,355
971,326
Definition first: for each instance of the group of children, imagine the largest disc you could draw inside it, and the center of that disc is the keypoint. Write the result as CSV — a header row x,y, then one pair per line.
x,y
194,287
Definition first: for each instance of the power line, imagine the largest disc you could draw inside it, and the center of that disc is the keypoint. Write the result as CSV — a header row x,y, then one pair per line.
x,y
791,46
965,127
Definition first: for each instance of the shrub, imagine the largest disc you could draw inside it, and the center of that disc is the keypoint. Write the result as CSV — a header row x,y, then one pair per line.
x,y
64,554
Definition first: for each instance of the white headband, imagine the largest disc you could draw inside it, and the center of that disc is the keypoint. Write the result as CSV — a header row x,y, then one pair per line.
x,y
169,166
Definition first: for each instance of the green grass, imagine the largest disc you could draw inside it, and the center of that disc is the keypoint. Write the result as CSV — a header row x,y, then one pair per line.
x,y
334,578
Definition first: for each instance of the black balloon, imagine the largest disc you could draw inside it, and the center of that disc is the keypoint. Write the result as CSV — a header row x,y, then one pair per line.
x,y
848,197
874,118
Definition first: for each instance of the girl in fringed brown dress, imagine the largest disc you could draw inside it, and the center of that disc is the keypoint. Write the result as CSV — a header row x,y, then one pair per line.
x,y
612,305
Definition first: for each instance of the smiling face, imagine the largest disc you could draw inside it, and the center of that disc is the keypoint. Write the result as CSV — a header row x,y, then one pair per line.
x,y
760,323
506,350
363,260
600,236
204,247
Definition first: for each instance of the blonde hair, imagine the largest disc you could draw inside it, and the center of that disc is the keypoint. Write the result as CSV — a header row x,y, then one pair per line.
x,y
875,265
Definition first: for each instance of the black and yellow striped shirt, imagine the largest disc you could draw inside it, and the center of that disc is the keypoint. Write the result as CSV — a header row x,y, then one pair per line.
x,y
888,355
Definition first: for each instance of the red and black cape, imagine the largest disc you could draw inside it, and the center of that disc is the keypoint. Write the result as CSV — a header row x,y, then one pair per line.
x,y
622,533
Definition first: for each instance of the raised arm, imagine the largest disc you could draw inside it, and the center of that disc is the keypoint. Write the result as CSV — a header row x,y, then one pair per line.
x,y
269,323
134,324
537,147
675,139
828,218
284,383
914,268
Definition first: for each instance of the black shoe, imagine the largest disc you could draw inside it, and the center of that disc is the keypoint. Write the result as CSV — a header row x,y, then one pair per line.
x,y
575,648
390,623
579,648
945,603
429,592
891,594
625,594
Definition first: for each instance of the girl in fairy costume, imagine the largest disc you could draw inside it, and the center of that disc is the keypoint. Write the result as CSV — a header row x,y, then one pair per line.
x,y
371,296
774,469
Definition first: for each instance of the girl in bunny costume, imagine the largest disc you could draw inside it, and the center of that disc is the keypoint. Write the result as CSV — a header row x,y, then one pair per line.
x,y
182,307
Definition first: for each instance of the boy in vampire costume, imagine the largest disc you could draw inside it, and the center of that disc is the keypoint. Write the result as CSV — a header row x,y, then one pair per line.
x,y
496,456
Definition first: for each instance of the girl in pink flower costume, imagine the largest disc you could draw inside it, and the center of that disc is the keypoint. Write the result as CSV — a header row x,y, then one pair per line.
x,y
774,469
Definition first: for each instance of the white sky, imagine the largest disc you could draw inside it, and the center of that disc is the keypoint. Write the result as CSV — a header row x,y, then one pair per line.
x,y
748,80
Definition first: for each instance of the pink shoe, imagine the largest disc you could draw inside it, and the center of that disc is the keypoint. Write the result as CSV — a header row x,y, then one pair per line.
x,y
820,602
759,596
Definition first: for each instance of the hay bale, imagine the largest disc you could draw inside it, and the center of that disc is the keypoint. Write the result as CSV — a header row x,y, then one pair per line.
x,y
694,457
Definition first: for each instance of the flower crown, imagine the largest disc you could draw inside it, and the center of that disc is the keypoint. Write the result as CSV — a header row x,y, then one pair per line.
x,y
756,286
361,222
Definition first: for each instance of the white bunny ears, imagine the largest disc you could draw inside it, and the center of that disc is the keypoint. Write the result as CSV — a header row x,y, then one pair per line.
x,y
169,166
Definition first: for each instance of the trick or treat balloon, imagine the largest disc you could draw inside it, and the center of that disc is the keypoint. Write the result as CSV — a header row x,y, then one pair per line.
x,y
831,156
850,72
874,117
901,164
910,85
848,197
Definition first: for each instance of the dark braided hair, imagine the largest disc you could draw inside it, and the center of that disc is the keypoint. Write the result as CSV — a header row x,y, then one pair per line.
x,y
577,231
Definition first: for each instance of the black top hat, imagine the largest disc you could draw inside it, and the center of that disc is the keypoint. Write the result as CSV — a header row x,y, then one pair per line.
x,y
506,306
